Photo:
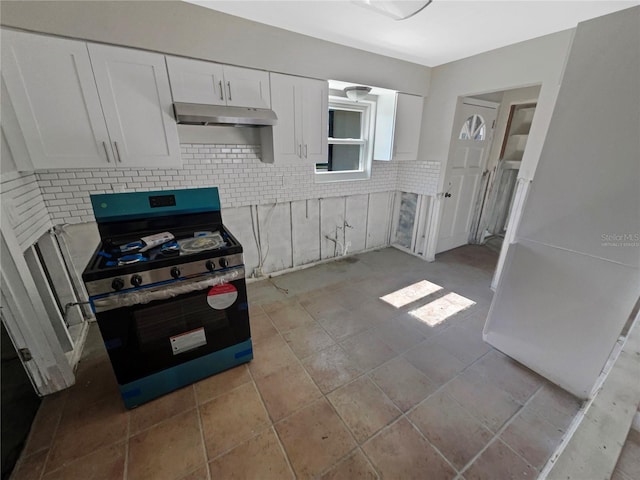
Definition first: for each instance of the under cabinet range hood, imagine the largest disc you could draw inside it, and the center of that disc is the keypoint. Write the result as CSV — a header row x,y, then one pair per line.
x,y
199,114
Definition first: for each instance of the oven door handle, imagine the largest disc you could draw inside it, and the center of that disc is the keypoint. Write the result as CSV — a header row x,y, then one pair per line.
x,y
163,292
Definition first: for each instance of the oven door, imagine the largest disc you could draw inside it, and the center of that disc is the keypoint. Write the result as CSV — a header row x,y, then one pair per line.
x,y
146,338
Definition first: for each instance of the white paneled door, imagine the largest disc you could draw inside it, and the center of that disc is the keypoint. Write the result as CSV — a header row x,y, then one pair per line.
x,y
470,143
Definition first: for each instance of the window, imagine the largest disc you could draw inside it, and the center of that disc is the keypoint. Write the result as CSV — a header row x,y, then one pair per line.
x,y
473,128
350,140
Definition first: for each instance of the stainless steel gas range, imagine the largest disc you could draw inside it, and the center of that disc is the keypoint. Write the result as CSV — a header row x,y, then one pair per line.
x,y
167,286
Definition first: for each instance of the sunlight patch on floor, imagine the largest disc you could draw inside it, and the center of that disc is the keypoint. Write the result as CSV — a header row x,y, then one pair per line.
x,y
411,294
436,312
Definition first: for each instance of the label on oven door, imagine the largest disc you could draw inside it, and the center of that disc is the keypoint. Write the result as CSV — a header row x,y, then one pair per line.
x,y
188,341
222,296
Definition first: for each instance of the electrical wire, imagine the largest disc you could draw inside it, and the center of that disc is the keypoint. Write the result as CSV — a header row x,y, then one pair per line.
x,y
255,237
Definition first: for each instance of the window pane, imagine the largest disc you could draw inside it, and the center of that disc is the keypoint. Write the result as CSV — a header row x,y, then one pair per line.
x,y
473,128
344,124
341,158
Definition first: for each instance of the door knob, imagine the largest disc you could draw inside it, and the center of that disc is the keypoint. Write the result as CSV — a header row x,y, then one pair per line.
x,y
447,195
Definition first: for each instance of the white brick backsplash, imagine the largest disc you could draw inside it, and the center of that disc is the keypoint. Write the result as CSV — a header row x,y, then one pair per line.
x,y
418,177
236,170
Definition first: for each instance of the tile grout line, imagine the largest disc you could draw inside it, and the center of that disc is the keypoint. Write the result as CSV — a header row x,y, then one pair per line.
x,y
323,396
125,473
202,439
273,424
54,438
415,427
367,374
499,432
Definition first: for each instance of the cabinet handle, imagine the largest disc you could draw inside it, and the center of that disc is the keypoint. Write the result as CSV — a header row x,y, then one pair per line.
x,y
118,152
305,150
221,90
104,145
229,86
300,150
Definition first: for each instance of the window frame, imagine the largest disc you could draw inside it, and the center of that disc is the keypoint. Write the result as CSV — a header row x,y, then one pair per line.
x,y
367,108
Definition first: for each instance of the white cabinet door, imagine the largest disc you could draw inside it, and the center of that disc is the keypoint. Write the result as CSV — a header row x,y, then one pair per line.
x,y
314,98
193,81
287,134
53,92
136,100
246,87
407,128
301,105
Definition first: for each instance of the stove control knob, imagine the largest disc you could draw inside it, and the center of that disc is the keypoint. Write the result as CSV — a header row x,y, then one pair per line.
x,y
117,284
136,280
210,265
223,262
175,272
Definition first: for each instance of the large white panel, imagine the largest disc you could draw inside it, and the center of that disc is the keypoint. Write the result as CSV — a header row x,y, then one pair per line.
x,y
560,314
275,236
378,220
332,226
586,192
238,221
305,224
569,283
356,217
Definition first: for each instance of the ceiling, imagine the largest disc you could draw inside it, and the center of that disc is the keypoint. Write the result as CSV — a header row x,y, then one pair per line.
x,y
444,31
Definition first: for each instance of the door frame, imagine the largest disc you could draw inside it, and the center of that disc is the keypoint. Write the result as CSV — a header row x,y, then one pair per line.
x,y
26,319
438,203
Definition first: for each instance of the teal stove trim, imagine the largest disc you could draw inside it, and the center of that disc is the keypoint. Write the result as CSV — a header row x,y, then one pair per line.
x,y
160,383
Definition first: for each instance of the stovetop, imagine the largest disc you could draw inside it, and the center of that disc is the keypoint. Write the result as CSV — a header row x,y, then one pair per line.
x,y
192,253
122,252
159,238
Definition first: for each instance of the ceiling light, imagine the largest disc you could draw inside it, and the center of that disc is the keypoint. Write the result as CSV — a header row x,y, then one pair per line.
x,y
396,9
357,93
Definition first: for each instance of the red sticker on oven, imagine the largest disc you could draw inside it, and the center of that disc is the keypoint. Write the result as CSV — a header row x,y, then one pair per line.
x,y
222,296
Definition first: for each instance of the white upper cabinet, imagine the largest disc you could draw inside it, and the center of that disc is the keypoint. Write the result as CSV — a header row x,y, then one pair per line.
x,y
246,87
54,95
136,100
195,81
301,105
81,105
407,127
315,121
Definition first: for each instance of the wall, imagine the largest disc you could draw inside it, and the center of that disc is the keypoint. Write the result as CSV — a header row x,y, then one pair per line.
x,y
538,61
7,163
183,29
535,62
418,177
247,186
285,195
